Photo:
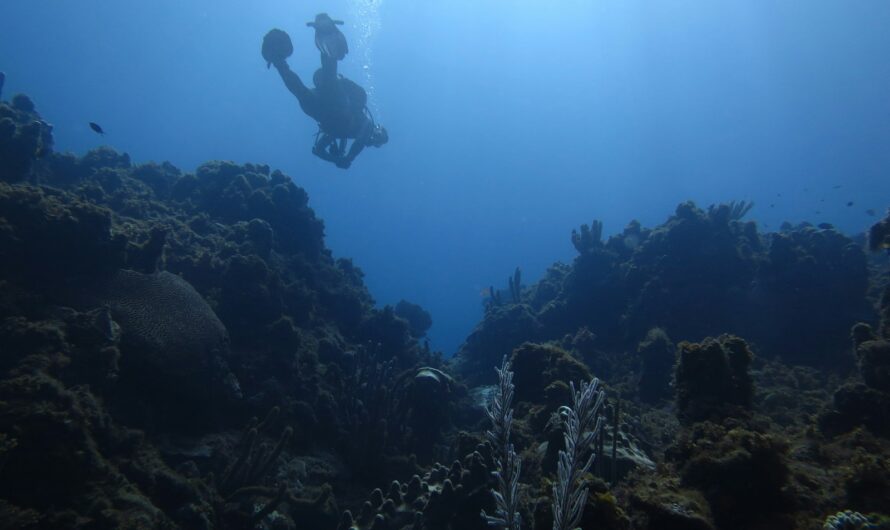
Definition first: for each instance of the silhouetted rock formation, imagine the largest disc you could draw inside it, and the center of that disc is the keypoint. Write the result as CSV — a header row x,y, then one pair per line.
x,y
794,293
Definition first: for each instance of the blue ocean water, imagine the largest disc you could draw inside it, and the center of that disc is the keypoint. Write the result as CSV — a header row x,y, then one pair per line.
x,y
511,122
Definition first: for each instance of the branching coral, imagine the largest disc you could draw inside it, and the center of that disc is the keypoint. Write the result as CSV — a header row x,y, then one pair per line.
x,y
589,237
242,479
515,285
734,211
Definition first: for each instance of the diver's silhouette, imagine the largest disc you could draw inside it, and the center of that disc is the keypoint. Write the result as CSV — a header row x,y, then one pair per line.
x,y
338,104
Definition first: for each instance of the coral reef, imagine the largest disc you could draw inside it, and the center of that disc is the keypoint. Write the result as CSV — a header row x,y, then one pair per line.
x,y
857,404
447,498
724,464
656,353
147,315
504,328
712,378
24,138
879,234
147,312
807,266
419,321
794,293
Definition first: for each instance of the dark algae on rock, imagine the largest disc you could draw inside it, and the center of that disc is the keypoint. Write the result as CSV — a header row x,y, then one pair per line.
x,y
181,350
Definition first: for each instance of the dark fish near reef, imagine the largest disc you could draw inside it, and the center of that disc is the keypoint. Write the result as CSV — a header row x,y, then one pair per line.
x,y
328,38
97,128
2,80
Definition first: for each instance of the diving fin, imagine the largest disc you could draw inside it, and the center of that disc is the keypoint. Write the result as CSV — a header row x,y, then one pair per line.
x,y
328,38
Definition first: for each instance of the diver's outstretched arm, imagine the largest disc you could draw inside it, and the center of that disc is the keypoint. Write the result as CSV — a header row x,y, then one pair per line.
x,y
293,83
358,145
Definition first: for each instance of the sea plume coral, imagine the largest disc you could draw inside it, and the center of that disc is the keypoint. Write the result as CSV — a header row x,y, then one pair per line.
x,y
509,464
582,425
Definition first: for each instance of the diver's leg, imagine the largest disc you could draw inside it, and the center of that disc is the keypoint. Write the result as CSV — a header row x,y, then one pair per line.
x,y
322,147
328,68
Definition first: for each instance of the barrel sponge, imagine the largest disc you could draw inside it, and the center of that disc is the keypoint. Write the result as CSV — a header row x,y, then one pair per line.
x,y
166,324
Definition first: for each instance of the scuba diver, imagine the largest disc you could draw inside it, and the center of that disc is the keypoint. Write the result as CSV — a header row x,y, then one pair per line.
x,y
338,104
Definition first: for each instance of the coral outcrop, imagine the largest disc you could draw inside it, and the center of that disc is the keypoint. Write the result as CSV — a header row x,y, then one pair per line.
x,y
712,378
793,293
657,355
147,313
24,138
865,402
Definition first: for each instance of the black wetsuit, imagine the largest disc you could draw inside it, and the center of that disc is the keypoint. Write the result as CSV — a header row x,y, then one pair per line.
x,y
338,105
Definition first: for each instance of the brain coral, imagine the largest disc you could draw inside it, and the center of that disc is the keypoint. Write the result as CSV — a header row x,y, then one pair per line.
x,y
166,324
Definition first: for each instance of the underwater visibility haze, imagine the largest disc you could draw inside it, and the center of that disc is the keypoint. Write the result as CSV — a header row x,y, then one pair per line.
x,y
511,122
392,264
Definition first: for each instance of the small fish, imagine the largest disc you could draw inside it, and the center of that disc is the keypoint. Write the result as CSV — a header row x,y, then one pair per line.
x,y
870,212
849,203
836,187
818,212
97,128
2,80
778,195
772,205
